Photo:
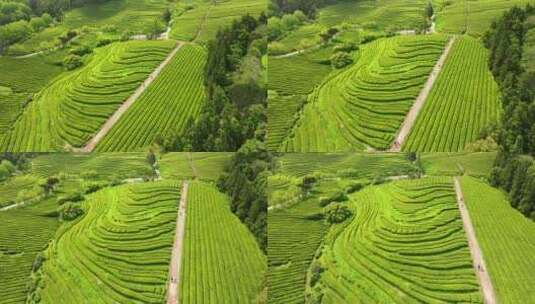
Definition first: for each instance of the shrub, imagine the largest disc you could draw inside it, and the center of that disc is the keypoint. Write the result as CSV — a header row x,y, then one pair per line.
x,y
39,23
93,188
71,62
14,32
66,37
75,197
315,273
289,22
341,59
307,183
355,187
346,47
38,262
368,39
90,174
377,180
109,28
81,50
103,42
70,211
336,213
336,197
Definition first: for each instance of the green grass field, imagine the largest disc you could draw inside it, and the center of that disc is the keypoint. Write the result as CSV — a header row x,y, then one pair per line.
x,y
75,104
454,164
507,240
405,244
222,262
185,165
161,110
88,260
363,106
464,99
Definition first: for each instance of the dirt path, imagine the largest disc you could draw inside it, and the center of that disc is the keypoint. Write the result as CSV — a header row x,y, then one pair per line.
x,y
406,126
192,165
477,256
294,53
176,257
126,105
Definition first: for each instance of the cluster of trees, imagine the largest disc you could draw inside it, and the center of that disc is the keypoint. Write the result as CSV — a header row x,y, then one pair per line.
x,y
279,25
514,169
19,20
13,11
245,181
309,7
21,29
6,169
235,86
516,175
21,161
505,41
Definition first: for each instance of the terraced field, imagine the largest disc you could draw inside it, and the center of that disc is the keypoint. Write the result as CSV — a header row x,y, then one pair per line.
x,y
507,240
18,188
463,100
26,77
303,37
102,166
472,17
296,74
118,16
282,111
362,107
389,15
201,165
292,242
354,165
200,20
456,164
296,228
165,108
222,262
75,104
24,233
88,261
405,244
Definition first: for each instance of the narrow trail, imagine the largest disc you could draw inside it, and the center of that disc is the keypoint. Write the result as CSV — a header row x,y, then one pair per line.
x,y
13,206
176,257
91,144
411,116
192,165
477,255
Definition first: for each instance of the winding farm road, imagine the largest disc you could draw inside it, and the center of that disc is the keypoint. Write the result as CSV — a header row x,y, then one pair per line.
x,y
407,124
91,144
176,257
477,256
